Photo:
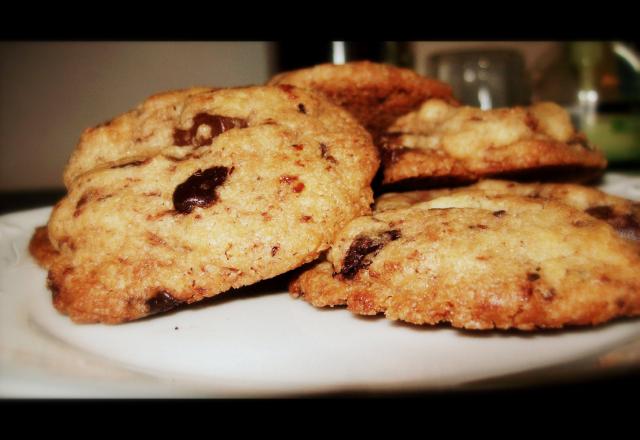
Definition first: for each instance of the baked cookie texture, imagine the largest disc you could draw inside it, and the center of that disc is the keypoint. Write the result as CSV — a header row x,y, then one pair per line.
x,y
199,191
622,214
480,261
376,94
443,145
41,249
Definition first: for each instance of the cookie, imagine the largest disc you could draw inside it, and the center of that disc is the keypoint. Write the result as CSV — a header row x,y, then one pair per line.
x,y
444,145
376,94
139,133
622,214
479,261
198,192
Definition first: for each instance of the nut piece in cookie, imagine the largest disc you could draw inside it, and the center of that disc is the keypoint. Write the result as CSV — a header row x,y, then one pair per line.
x,y
376,94
200,191
442,145
480,261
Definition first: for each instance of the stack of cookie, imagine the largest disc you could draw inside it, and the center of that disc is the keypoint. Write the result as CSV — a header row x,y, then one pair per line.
x,y
199,191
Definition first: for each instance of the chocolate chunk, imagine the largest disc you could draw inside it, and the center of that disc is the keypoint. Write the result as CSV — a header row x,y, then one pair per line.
x,y
199,189
274,250
600,212
362,247
626,225
533,276
218,124
302,109
355,258
500,213
162,302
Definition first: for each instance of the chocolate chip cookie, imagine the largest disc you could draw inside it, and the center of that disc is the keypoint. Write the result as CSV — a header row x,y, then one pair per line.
x,y
444,145
622,214
376,94
479,260
200,191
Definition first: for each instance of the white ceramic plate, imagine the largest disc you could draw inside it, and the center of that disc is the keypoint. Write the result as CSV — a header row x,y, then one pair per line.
x,y
260,342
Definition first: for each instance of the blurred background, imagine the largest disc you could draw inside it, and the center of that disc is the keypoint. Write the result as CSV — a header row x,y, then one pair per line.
x,y
51,91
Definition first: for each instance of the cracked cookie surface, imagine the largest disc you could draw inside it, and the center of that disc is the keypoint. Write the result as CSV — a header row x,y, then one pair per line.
x,y
622,214
480,261
199,191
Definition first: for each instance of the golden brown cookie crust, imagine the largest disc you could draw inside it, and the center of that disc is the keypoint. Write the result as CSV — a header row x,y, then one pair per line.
x,y
440,144
41,249
190,213
622,214
480,262
376,94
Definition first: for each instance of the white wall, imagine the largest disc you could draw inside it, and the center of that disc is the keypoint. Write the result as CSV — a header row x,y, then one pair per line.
x,y
50,92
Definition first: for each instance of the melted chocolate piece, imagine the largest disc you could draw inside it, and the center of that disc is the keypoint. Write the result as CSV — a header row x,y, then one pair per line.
x,y
218,124
499,213
162,302
362,247
199,189
627,225
533,276
601,212
302,109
